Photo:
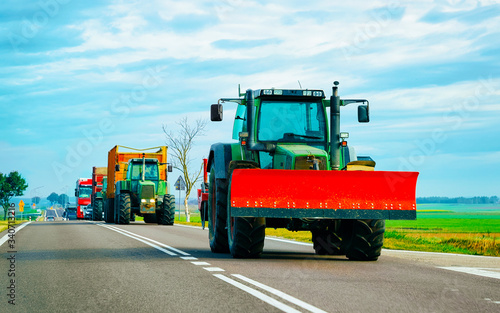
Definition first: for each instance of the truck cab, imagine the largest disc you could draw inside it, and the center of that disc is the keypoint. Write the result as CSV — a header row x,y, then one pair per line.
x,y
83,191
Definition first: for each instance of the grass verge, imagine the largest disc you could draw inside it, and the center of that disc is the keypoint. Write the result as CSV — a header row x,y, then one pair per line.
x,y
4,224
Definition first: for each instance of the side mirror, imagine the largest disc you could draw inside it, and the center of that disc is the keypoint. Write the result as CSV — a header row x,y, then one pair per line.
x,y
169,168
363,114
216,112
76,193
117,167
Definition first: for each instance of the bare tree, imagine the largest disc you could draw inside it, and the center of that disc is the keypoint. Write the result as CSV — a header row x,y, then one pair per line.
x,y
180,144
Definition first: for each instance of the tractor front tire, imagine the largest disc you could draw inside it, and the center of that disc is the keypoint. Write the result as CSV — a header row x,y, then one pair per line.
x,y
363,239
217,213
97,210
246,236
166,215
123,208
109,211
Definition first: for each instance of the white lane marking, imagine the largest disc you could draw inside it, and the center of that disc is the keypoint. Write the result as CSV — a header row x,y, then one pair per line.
x,y
214,269
6,237
143,241
201,263
190,226
153,241
281,306
281,294
485,272
188,258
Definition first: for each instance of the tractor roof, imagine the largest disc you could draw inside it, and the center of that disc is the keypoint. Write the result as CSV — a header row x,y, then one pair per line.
x,y
290,93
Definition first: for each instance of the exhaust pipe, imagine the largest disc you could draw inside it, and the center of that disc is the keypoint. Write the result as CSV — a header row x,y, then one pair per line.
x,y
335,128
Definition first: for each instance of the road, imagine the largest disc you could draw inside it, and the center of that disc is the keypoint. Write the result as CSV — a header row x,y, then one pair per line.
x,y
83,266
56,213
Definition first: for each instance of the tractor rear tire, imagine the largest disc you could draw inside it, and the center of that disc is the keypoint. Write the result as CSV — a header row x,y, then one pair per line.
x,y
364,239
326,242
109,211
97,210
150,218
166,215
217,213
123,209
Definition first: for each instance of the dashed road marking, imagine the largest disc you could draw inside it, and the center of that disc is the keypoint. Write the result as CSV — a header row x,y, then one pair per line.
x,y
277,304
280,294
214,269
201,263
258,294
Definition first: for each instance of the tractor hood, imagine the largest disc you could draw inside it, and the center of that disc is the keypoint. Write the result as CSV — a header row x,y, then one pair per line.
x,y
146,189
300,157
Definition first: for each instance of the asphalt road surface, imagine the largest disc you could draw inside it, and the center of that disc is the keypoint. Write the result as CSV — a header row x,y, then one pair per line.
x,y
83,266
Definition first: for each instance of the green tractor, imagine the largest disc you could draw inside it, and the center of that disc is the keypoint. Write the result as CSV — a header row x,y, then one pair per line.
x,y
292,168
140,188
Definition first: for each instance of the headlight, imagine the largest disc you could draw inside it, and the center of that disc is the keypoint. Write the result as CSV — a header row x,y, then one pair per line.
x,y
152,200
143,200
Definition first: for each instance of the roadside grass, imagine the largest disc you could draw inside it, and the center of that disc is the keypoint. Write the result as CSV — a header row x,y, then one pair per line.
x,y
5,224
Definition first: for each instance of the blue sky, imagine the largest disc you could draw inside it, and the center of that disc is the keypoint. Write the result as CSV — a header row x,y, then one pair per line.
x,y
78,78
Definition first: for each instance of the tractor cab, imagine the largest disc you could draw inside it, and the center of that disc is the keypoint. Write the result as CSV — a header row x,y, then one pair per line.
x,y
143,175
288,129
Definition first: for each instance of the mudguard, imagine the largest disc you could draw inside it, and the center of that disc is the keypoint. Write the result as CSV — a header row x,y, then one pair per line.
x,y
220,156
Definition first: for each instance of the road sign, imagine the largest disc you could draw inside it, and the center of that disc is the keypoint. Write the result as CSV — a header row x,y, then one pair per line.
x,y
180,184
21,206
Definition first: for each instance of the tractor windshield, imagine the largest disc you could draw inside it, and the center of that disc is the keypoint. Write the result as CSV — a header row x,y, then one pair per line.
x,y
151,171
291,122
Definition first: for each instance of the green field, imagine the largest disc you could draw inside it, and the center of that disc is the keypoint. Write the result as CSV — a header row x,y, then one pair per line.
x,y
457,228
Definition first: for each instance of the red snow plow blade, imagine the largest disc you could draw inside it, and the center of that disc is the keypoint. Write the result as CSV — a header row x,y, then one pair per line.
x,y
323,194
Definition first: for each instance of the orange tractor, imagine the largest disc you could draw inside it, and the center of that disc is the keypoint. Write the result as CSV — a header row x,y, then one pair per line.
x,y
292,168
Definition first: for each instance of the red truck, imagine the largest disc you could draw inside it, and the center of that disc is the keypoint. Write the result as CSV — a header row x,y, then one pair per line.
x,y
98,174
83,191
